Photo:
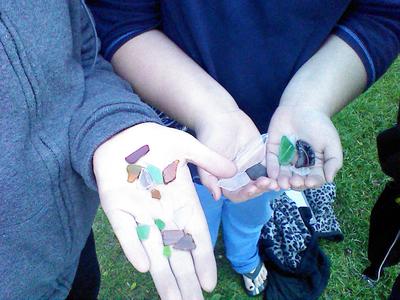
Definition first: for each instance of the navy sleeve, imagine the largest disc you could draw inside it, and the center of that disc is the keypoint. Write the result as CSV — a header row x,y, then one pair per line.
x,y
118,21
372,29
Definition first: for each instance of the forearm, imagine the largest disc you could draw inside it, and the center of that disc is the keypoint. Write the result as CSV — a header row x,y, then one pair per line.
x,y
165,77
329,80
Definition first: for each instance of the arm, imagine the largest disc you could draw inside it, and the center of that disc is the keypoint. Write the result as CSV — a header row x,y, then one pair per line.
x,y
171,81
330,79
364,44
167,78
157,69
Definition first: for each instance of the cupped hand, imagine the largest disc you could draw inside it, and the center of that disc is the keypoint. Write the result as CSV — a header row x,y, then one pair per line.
x,y
127,205
314,127
227,133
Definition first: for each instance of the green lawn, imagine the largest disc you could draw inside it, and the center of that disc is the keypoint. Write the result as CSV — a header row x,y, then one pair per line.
x,y
359,183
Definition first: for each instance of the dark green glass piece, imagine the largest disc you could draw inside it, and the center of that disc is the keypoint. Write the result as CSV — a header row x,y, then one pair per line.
x,y
286,151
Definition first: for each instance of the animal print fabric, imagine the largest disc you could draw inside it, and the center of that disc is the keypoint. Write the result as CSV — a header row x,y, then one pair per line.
x,y
321,203
286,236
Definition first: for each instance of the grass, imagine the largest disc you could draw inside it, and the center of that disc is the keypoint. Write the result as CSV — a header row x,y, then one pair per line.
x,y
359,183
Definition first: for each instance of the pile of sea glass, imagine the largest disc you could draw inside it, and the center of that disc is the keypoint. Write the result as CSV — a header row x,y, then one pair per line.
x,y
298,155
149,177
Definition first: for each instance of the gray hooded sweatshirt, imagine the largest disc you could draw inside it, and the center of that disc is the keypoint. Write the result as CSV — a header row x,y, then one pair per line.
x,y
58,102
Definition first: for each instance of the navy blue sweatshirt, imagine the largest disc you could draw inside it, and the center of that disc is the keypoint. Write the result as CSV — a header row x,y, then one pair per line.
x,y
253,48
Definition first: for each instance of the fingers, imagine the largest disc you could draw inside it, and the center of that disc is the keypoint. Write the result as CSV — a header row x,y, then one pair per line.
x,y
265,184
284,177
333,158
124,226
208,159
203,255
160,269
252,190
184,271
211,183
297,182
272,159
315,179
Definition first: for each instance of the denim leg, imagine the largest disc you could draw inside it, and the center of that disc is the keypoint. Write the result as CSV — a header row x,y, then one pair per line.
x,y
242,224
212,210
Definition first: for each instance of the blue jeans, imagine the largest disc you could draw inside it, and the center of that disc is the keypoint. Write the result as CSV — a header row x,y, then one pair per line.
x,y
241,225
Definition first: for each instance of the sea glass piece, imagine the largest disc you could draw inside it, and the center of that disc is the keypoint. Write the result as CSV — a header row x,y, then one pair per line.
x,y
169,173
133,172
305,154
234,183
397,200
256,171
143,232
155,194
145,179
286,151
170,237
137,154
252,153
155,174
186,243
160,224
167,251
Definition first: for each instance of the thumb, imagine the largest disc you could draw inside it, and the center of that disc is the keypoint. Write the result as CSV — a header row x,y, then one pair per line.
x,y
207,159
333,158
211,183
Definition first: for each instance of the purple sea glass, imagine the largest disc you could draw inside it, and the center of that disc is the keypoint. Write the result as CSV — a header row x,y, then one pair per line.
x,y
186,243
136,155
169,173
171,237
305,154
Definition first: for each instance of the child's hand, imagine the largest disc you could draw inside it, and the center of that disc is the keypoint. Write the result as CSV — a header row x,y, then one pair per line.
x,y
314,127
126,205
227,133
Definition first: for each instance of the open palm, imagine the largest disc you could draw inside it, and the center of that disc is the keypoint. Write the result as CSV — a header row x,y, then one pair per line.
x,y
313,127
127,205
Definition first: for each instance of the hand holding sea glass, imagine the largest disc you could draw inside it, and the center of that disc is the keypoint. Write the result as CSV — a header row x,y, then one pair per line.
x,y
229,133
249,164
299,155
314,128
132,211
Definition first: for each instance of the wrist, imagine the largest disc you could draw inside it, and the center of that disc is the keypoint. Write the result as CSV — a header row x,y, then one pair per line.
x,y
308,100
218,119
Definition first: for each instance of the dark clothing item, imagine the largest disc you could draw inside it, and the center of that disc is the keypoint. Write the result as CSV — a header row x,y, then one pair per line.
x,y
389,152
253,48
297,267
86,284
384,231
58,103
395,294
307,282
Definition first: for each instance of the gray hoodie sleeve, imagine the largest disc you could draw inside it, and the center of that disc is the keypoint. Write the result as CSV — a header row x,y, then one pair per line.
x,y
108,107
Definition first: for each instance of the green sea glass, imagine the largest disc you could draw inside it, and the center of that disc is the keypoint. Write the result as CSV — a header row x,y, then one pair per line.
x,y
160,224
167,251
143,232
155,174
287,151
